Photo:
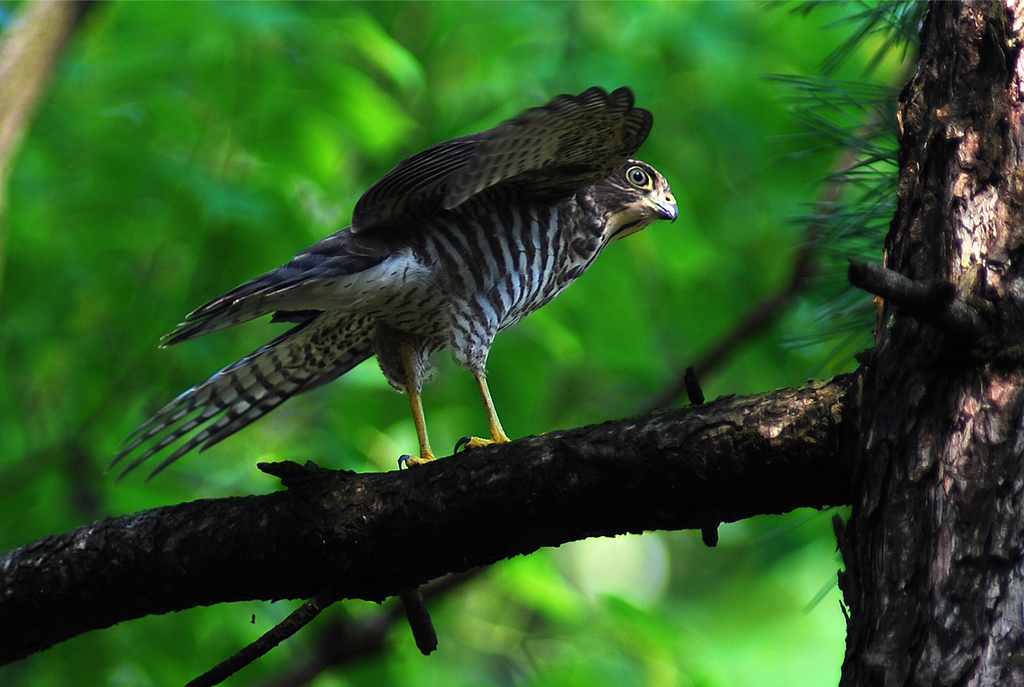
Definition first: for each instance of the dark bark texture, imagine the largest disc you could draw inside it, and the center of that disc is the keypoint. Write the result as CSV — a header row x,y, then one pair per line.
x,y
934,579
374,535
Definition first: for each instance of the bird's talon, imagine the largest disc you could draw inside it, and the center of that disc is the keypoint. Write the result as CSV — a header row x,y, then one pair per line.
x,y
468,443
412,461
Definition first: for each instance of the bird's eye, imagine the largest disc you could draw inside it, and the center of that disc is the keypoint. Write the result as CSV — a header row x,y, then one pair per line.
x,y
639,178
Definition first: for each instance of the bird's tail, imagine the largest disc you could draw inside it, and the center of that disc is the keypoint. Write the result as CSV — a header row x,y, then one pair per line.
x,y
312,354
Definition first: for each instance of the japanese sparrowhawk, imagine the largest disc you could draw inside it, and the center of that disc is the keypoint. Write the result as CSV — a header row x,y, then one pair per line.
x,y
452,246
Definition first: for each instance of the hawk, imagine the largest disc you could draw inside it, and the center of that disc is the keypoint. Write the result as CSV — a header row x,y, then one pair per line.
x,y
450,247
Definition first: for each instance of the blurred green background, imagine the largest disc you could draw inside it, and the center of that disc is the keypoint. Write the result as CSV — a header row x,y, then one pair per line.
x,y
184,148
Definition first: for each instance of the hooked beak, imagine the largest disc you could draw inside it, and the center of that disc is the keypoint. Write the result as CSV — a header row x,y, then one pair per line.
x,y
667,208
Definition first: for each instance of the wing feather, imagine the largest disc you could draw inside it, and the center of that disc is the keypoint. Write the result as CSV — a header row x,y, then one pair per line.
x,y
547,152
294,286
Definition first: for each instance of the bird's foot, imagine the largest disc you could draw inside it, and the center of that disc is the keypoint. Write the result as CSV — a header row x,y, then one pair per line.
x,y
407,461
467,443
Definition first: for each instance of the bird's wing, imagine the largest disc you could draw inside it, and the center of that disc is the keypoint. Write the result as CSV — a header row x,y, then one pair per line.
x,y
312,354
545,152
548,152
291,287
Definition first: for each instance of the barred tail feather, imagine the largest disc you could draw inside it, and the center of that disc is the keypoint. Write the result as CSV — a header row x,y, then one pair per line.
x,y
308,356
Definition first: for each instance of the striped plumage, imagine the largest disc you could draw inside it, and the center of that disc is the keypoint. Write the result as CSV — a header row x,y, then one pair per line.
x,y
454,245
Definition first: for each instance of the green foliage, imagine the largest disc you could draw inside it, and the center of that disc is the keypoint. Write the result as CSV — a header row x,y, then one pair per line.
x,y
185,148
851,219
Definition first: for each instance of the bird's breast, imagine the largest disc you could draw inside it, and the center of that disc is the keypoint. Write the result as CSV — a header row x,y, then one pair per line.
x,y
498,268
463,278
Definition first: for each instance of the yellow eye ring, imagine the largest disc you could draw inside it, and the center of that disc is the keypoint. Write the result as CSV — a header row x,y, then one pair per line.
x,y
639,177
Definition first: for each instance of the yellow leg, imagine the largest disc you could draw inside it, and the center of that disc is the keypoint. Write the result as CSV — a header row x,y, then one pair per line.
x,y
498,435
426,455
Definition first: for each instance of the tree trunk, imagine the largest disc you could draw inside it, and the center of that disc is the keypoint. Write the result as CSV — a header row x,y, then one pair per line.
x,y
933,550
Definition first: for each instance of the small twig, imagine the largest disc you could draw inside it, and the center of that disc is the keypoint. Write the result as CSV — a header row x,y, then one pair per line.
x,y
770,307
757,318
709,535
298,619
934,302
343,641
693,391
419,620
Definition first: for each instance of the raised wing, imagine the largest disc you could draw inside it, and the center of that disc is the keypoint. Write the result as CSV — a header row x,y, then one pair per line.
x,y
548,152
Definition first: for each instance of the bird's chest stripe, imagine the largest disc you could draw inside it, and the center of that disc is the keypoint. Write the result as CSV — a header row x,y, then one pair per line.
x,y
513,288
535,276
530,259
511,245
494,270
551,254
491,243
450,250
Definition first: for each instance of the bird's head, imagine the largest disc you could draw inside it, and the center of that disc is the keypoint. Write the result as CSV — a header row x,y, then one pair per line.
x,y
634,197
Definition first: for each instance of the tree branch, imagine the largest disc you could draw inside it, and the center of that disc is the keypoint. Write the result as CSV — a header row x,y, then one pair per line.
x,y
373,535
28,54
762,314
340,641
935,302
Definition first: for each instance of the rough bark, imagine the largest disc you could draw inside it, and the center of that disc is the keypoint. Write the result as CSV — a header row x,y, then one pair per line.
x,y
933,550
373,535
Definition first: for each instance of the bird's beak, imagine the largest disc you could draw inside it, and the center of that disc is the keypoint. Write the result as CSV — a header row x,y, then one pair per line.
x,y
667,208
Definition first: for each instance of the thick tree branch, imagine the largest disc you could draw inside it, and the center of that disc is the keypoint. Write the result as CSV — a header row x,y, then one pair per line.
x,y
373,535
935,302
